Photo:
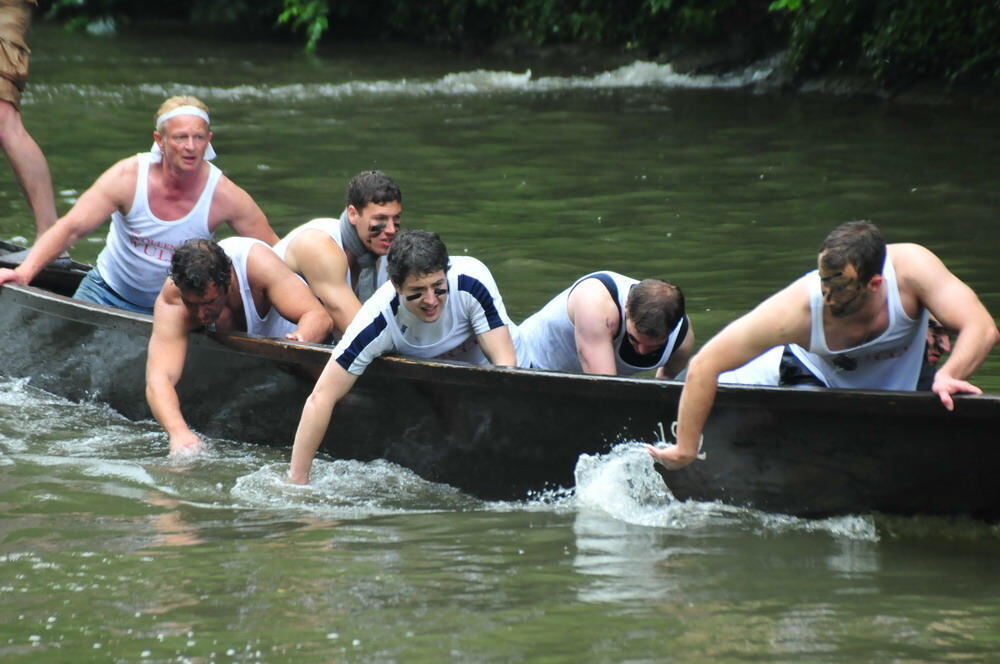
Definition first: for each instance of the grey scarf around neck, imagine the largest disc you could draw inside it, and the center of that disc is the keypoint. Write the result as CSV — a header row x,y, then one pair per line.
x,y
364,259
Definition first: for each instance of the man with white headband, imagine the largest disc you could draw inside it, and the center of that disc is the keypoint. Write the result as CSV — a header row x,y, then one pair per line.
x,y
156,200
343,259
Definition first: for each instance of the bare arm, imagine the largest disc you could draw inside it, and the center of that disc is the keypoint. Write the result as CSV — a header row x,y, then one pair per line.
x,y
680,357
331,386
595,319
289,295
236,207
498,346
782,318
955,306
164,366
110,192
323,264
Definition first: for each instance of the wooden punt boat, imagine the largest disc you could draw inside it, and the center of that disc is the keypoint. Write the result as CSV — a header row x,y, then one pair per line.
x,y
505,433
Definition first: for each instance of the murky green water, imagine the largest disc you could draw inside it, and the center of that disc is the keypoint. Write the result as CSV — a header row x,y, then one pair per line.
x,y
111,552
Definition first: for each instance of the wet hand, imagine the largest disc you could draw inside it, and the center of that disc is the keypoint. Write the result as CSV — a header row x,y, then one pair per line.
x,y
944,386
670,457
188,444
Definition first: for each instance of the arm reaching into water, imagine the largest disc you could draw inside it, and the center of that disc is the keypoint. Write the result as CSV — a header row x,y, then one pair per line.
x,y
782,318
331,386
164,366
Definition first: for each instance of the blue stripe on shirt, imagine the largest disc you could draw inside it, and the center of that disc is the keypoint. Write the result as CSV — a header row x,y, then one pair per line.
x,y
361,341
482,294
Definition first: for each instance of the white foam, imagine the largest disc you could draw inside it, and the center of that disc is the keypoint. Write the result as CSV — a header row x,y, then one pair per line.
x,y
346,489
476,82
623,485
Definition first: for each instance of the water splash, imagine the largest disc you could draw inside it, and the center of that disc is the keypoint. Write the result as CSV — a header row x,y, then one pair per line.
x,y
623,485
639,74
350,489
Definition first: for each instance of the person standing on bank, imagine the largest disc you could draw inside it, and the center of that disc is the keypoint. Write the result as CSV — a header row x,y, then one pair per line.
x,y
26,159
430,308
236,285
343,259
156,201
859,321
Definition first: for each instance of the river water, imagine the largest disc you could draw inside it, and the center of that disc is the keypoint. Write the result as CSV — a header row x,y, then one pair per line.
x,y
109,551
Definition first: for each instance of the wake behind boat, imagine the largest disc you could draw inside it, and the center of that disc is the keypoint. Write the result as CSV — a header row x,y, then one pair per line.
x,y
500,433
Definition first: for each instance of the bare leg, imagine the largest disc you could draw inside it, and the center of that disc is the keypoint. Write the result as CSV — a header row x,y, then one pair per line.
x,y
29,165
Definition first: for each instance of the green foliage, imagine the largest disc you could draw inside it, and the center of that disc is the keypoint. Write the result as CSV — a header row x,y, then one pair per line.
x,y
310,15
949,39
892,41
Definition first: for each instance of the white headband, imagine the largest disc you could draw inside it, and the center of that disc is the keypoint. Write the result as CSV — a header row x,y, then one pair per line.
x,y
156,153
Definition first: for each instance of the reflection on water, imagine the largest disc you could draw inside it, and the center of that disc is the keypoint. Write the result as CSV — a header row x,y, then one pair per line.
x,y
106,546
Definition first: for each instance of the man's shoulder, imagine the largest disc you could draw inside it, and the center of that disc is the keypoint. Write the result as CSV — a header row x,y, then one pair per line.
x,y
907,255
467,265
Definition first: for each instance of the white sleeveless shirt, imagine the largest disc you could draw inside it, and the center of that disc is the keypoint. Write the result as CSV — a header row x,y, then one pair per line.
x,y
891,361
549,336
136,260
271,324
330,226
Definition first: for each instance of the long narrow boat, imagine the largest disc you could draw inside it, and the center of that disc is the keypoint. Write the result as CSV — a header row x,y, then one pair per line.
x,y
505,433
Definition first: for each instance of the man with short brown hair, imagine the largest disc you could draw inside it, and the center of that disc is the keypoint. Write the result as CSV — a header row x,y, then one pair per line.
x,y
607,323
859,321
238,284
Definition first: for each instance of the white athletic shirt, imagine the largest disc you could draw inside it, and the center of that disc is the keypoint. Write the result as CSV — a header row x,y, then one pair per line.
x,y
384,324
889,362
136,260
331,227
549,336
271,324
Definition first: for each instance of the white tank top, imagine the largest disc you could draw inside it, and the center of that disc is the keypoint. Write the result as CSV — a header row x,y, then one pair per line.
x,y
136,259
549,336
891,361
331,227
271,324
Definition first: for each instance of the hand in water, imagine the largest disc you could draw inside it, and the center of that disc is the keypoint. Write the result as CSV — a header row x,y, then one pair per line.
x,y
188,444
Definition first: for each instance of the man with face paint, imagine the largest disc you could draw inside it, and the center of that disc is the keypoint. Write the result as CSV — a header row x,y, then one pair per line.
x,y
236,285
156,201
607,323
859,322
342,258
430,308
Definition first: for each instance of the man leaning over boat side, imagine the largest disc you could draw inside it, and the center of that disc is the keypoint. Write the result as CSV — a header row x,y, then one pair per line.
x,y
156,201
859,321
430,308
236,285
607,323
342,259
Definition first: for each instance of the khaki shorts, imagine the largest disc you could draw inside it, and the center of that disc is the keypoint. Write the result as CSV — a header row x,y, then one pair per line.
x,y
15,18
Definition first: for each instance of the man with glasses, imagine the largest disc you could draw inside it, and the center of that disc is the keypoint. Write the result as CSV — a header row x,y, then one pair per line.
x,y
432,307
236,285
859,321
342,259
607,323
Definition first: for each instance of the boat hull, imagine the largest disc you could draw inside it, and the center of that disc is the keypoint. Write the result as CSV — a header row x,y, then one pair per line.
x,y
508,433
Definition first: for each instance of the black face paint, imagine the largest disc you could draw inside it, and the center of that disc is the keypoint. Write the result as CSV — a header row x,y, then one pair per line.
x,y
440,292
376,229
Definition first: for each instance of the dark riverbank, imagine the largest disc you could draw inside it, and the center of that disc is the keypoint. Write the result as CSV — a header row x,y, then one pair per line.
x,y
927,51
